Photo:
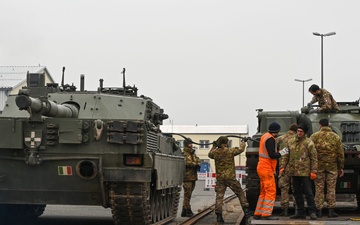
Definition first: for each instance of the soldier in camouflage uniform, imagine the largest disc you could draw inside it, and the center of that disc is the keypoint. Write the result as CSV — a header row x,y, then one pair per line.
x,y
225,174
284,181
192,165
330,154
325,99
302,163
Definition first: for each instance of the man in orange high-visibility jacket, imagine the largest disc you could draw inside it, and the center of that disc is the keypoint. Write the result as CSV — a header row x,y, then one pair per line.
x,y
266,167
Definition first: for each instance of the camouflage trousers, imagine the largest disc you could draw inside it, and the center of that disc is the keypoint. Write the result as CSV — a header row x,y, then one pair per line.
x,y
285,184
220,189
330,177
188,187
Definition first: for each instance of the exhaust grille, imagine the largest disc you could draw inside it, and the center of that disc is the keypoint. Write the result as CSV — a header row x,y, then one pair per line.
x,y
152,142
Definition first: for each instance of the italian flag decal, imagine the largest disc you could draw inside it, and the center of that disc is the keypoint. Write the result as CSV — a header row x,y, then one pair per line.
x,y
345,185
65,170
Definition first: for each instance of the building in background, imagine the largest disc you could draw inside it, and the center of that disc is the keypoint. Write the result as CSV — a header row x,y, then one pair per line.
x,y
205,135
13,78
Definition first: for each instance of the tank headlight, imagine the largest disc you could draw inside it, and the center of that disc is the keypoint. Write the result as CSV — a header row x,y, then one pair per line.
x,y
133,160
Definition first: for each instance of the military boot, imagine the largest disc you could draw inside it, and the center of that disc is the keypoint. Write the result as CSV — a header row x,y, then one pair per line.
x,y
247,212
284,212
298,216
319,213
183,212
189,213
219,218
332,213
269,218
313,216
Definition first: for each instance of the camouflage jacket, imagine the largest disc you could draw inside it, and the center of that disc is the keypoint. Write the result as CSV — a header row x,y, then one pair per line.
x,y
224,161
282,143
302,157
192,164
330,151
325,100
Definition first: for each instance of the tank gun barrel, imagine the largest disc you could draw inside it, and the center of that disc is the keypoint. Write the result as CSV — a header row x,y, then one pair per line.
x,y
47,107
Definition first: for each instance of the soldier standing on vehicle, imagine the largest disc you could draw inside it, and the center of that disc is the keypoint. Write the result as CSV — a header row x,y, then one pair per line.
x,y
302,164
325,99
266,167
225,174
330,155
284,181
192,165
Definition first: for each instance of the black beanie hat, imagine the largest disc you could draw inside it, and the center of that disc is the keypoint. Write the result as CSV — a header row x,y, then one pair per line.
x,y
274,127
303,127
324,122
187,141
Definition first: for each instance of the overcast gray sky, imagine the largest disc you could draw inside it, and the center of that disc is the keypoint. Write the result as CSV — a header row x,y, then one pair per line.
x,y
205,62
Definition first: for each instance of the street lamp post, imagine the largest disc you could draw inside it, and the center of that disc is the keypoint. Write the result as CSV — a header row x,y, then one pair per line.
x,y
322,64
303,81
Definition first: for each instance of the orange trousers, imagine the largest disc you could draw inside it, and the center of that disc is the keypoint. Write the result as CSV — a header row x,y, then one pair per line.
x,y
266,200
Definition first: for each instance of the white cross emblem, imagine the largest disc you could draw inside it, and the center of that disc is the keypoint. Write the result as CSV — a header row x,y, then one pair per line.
x,y
33,140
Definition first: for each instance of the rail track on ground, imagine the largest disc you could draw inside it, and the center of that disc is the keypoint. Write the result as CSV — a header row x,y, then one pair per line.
x,y
205,217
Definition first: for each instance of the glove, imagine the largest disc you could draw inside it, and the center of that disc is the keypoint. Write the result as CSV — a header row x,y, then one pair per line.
x,y
341,172
309,105
198,167
214,144
281,171
312,176
245,139
284,151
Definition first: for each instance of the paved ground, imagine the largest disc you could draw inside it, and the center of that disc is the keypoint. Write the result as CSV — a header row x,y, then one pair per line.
x,y
91,215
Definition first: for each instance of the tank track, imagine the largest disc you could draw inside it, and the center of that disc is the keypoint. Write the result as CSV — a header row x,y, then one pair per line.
x,y
142,204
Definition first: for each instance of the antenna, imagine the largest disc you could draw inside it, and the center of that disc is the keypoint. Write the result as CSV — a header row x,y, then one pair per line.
x,y
124,85
123,73
62,79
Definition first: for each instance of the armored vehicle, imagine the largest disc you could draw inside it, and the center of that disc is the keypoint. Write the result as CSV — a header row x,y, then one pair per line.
x,y
345,123
104,147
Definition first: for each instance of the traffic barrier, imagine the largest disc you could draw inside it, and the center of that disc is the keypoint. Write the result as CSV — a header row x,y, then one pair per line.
x,y
201,176
210,180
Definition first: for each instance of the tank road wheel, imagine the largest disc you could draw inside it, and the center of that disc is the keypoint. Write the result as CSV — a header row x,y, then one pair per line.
x,y
164,203
20,211
130,203
169,203
33,211
155,206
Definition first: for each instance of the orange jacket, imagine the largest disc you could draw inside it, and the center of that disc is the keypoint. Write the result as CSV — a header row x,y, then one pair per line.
x,y
265,162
